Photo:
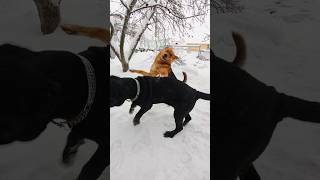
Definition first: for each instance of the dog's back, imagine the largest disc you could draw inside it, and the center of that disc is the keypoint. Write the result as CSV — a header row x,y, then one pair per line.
x,y
168,90
236,91
10,53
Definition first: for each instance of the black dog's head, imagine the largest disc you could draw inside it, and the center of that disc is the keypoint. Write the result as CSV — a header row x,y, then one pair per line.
x,y
26,103
118,93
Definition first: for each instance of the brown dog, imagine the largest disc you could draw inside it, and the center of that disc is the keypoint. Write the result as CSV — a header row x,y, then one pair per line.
x,y
161,66
162,63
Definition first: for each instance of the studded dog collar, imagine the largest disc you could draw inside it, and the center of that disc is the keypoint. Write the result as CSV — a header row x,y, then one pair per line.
x,y
91,92
91,78
138,90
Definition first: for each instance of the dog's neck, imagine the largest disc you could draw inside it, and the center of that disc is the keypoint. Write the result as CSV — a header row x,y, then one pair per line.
x,y
75,93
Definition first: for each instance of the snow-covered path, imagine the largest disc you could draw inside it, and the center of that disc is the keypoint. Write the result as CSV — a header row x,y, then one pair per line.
x,y
283,51
141,152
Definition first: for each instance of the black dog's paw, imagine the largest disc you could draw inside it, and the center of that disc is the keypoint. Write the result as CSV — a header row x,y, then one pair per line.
x,y
186,122
68,158
136,122
131,110
169,134
69,153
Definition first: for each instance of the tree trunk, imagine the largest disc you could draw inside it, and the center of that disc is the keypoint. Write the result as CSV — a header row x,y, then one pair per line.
x,y
125,66
49,14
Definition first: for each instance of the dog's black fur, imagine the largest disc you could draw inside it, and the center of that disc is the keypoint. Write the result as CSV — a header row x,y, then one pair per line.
x,y
40,86
157,90
245,114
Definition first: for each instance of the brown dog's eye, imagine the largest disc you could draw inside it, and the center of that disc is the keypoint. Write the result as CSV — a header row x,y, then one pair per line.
x,y
165,56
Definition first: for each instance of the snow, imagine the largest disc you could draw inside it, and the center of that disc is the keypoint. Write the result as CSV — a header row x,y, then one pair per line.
x,y
283,51
40,159
141,152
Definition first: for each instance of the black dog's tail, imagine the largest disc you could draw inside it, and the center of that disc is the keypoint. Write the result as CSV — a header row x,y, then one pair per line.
x,y
241,53
202,95
297,108
184,77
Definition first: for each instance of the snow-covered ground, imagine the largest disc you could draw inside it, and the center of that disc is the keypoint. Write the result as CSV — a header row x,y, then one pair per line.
x,y
141,152
283,51
40,159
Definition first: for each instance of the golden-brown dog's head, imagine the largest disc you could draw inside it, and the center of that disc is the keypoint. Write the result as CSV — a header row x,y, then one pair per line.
x,y
166,56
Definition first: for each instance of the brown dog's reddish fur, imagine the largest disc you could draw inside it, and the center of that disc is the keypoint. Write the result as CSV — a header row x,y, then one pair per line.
x,y
161,65
93,32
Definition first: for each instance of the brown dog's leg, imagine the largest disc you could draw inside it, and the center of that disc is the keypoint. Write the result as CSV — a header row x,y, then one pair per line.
x,y
92,32
144,73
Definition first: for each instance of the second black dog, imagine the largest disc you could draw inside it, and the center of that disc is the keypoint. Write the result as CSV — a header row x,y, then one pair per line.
x,y
146,91
245,114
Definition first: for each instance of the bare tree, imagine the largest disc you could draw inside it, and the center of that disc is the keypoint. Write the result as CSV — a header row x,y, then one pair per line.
x,y
161,16
49,14
225,6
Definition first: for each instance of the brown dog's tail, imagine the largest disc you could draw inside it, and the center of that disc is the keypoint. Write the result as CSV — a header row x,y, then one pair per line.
x,y
241,53
184,77
92,32
144,73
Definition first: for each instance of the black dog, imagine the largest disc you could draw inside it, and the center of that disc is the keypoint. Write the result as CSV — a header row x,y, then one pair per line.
x,y
146,91
245,114
38,87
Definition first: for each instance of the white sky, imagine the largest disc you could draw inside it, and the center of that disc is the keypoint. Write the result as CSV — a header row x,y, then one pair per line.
x,y
196,34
